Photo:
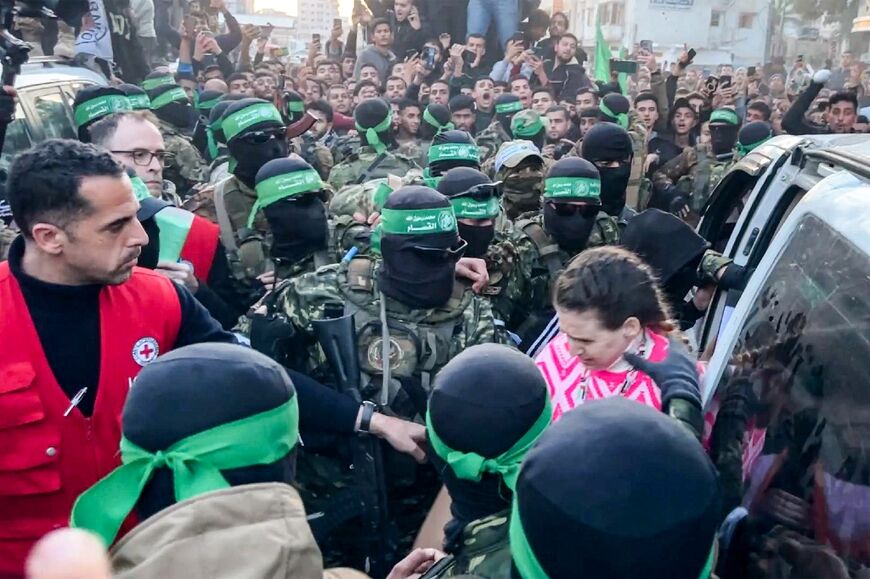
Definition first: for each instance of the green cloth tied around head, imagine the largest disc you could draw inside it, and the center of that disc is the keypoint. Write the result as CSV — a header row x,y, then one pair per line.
x,y
371,134
139,102
530,129
468,208
100,107
448,126
280,187
239,121
152,83
195,462
454,152
380,195
418,221
572,188
175,95
743,150
505,108
725,116
621,118
207,106
471,466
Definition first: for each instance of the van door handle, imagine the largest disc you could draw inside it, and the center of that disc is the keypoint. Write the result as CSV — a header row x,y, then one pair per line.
x,y
751,242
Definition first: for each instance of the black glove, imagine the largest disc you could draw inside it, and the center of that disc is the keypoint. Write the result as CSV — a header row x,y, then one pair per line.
x,y
676,376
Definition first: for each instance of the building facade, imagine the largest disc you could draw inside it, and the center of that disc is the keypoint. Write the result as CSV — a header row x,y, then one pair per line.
x,y
315,17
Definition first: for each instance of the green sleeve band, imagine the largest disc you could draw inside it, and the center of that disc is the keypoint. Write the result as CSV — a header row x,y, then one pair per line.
x,y
296,106
471,466
280,187
468,208
725,116
418,221
512,107
371,134
454,152
139,102
572,188
208,105
100,107
621,118
248,117
529,130
175,95
152,83
174,225
140,189
195,462
427,116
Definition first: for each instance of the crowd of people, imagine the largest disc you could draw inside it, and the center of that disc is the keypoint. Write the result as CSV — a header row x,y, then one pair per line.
x,y
361,313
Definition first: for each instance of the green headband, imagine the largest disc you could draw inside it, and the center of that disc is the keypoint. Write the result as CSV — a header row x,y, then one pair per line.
x,y
471,466
621,118
139,102
572,188
527,563
174,95
152,83
140,189
418,221
744,150
448,126
454,152
295,106
371,134
280,187
529,130
100,107
510,107
208,105
195,462
725,116
380,195
211,143
429,179
468,208
248,117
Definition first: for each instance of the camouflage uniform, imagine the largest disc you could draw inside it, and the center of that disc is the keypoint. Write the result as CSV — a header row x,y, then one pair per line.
x,y
356,167
7,235
344,147
696,172
416,150
484,552
367,198
315,154
489,140
639,187
184,164
712,262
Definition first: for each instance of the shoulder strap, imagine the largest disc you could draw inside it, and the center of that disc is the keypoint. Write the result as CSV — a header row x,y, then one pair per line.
x,y
365,174
548,250
220,207
361,274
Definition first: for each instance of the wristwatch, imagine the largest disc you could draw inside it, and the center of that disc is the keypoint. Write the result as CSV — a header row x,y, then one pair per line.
x,y
368,410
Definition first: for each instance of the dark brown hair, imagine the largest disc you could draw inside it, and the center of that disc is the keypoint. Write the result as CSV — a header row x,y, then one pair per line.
x,y
617,284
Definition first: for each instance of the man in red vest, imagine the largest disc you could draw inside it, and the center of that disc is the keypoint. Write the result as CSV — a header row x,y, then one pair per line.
x,y
78,321
138,144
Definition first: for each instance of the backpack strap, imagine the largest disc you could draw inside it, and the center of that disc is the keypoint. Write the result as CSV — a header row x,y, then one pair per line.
x,y
223,217
548,250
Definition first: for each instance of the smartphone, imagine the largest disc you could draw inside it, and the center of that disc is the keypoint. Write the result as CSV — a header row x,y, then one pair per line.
x,y
646,46
691,54
410,53
711,84
519,37
428,57
750,72
315,37
539,51
724,81
469,56
623,66
336,23
265,32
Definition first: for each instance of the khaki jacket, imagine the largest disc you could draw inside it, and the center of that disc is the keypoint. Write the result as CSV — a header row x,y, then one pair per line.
x,y
247,532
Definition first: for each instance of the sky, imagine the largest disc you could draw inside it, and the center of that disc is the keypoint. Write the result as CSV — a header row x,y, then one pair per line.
x,y
289,6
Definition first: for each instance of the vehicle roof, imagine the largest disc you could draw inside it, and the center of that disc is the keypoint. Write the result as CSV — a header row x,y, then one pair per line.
x,y
40,71
843,202
850,144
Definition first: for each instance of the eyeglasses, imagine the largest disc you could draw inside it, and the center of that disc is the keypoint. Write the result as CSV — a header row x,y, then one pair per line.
x,y
441,254
482,192
143,157
260,137
568,209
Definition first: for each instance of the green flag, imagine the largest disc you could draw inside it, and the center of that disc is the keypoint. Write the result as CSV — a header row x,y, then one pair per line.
x,y
602,56
623,78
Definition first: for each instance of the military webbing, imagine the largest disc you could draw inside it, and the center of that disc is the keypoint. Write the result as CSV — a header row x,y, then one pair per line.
x,y
226,226
364,176
547,249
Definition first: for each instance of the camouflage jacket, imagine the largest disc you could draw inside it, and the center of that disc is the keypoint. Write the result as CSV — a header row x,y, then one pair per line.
x,y
489,140
315,154
422,341
184,164
417,150
529,287
357,168
711,263
695,172
485,551
637,192
367,198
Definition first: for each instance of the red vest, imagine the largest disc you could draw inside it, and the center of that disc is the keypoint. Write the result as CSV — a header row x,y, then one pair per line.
x,y
200,245
48,459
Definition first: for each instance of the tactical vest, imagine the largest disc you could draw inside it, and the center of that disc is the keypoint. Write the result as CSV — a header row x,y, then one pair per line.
x,y
246,248
702,180
420,341
484,552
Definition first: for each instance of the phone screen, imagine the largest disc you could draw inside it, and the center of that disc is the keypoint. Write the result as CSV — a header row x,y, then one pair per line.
x,y
691,54
646,46
429,54
315,37
724,80
336,22
751,71
469,56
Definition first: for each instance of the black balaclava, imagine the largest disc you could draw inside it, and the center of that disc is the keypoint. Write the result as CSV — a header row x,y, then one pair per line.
x,y
371,118
670,246
436,118
171,105
211,374
571,179
457,181
505,107
415,277
298,220
486,384
93,103
294,106
251,155
616,490
138,97
438,168
724,125
752,135
610,142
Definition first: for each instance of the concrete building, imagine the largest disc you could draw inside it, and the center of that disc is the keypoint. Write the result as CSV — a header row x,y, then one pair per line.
x,y
735,30
315,17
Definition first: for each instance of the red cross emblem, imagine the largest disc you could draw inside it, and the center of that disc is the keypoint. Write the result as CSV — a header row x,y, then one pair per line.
x,y
145,351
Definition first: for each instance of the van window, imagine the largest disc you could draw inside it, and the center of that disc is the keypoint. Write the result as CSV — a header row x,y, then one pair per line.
x,y
54,114
18,138
792,432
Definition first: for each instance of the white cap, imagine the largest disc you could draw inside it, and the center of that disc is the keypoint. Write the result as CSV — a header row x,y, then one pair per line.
x,y
510,154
